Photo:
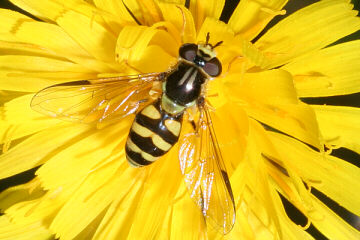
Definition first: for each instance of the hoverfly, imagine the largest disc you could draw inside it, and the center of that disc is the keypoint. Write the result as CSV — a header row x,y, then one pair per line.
x,y
157,125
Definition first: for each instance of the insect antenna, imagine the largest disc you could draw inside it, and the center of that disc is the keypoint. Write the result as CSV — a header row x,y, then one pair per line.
x,y
217,44
209,44
207,39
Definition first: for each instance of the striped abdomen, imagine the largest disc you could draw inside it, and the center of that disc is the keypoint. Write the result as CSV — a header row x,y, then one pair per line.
x,y
152,134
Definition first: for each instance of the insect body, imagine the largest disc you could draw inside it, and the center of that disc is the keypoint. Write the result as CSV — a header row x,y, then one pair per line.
x,y
152,134
157,125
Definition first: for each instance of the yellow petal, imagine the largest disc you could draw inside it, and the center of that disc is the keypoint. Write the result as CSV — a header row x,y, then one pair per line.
x,y
37,64
289,229
35,81
146,12
250,17
16,194
151,11
334,177
182,18
150,213
339,126
47,10
93,37
270,98
261,86
15,27
10,21
258,194
327,72
96,193
178,2
16,48
239,55
24,231
232,143
308,29
147,64
331,225
137,46
28,7
186,219
90,150
116,224
117,8
280,170
19,120
256,57
42,208
202,9
50,10
218,30
36,149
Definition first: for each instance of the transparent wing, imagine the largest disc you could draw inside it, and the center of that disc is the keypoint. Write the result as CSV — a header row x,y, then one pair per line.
x,y
205,174
96,100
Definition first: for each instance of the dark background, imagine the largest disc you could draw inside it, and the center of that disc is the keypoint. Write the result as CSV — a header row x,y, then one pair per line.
x,y
348,100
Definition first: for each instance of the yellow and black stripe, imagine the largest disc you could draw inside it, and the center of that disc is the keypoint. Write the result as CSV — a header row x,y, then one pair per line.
x,y
152,135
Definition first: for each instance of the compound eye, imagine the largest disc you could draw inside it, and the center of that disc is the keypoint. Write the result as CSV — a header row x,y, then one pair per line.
x,y
213,67
188,51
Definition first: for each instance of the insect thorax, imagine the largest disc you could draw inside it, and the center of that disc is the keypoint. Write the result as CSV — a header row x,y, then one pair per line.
x,y
182,87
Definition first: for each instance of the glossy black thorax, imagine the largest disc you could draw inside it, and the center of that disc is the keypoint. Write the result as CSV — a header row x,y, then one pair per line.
x,y
183,85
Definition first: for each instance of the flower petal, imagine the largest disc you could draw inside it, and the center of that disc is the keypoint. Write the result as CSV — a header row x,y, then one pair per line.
x,y
26,231
40,205
26,49
202,9
96,193
308,29
36,149
138,45
178,2
250,17
327,72
13,195
182,19
339,126
92,36
50,9
119,17
15,27
270,97
334,177
19,120
146,12
331,225
151,211
186,219
219,31
118,218
35,81
37,64
91,149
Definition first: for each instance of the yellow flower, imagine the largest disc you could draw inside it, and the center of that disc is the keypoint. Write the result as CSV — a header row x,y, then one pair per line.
x,y
272,143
